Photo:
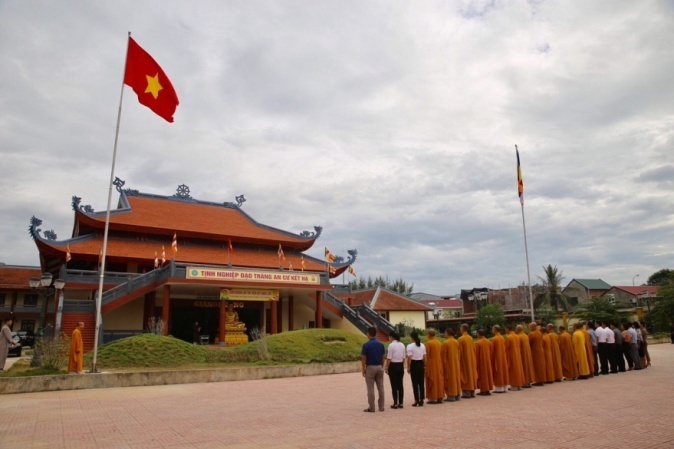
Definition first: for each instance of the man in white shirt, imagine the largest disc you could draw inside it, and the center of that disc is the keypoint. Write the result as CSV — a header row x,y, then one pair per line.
x,y
602,346
610,344
634,346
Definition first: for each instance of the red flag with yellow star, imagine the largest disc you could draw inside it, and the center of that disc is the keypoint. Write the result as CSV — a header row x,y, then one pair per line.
x,y
149,82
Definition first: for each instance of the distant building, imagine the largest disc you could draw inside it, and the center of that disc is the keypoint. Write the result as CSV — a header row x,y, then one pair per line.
x,y
511,299
444,306
581,290
18,300
631,296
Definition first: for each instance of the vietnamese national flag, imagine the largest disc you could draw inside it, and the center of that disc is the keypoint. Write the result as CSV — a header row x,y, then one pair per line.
x,y
149,82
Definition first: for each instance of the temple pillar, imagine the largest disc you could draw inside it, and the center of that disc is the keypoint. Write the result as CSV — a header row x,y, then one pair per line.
x,y
319,311
148,307
273,317
291,311
166,301
222,333
279,315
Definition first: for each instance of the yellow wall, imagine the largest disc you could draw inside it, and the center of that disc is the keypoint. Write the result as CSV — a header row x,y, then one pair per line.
x,y
345,325
415,318
303,314
129,316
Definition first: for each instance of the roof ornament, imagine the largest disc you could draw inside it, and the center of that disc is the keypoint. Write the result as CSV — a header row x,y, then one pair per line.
x,y
33,229
312,235
239,201
183,192
339,260
76,206
50,235
118,183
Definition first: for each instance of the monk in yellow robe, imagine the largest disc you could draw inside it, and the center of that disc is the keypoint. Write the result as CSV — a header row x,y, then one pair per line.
x,y
547,350
568,354
76,354
588,350
580,347
451,366
527,360
468,363
485,379
556,354
499,361
435,382
537,354
514,357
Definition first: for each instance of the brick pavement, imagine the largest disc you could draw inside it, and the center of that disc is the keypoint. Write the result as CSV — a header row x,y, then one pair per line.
x,y
624,410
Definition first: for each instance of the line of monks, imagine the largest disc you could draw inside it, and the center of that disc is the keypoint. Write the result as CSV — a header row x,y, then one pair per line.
x,y
459,367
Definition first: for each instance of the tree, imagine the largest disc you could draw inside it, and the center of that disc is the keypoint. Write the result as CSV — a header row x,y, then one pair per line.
x,y
546,314
552,295
600,309
399,285
661,316
661,277
488,316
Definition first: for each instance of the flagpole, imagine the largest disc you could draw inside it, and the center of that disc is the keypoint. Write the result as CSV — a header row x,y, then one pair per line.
x,y
526,246
99,296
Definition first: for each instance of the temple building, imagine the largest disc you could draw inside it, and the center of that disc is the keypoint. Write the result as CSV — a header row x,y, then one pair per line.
x,y
200,269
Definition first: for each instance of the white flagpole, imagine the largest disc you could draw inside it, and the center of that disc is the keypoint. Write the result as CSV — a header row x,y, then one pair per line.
x,y
526,251
99,296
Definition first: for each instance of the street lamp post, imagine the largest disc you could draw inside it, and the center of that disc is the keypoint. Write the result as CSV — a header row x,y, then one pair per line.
x,y
46,287
633,278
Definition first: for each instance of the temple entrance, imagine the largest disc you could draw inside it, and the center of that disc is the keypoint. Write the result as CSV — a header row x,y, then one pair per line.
x,y
184,314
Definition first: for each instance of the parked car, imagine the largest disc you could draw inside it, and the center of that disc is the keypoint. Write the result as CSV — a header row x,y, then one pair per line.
x,y
16,350
27,338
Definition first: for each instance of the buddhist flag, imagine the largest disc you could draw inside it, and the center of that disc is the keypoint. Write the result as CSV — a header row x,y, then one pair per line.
x,y
352,271
156,260
230,248
520,181
163,255
331,269
290,266
280,253
174,244
149,82
329,256
302,263
68,256
100,257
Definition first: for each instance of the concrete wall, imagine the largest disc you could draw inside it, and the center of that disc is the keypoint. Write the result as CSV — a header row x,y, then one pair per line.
x,y
129,316
415,318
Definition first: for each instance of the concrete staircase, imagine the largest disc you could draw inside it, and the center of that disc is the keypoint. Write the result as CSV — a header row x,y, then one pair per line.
x,y
69,323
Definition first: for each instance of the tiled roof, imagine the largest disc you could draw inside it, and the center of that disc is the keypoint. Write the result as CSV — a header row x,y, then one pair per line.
x,y
144,252
16,277
651,290
162,215
592,284
444,303
386,300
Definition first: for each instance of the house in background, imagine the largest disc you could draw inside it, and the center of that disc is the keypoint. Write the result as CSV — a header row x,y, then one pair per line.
x,y
630,296
512,299
443,306
581,290
19,301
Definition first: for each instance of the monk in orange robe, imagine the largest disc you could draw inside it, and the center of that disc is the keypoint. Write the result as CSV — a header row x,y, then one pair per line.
x,y
485,379
537,354
556,354
527,360
499,361
547,350
580,347
588,349
514,357
435,382
451,366
568,354
76,354
468,363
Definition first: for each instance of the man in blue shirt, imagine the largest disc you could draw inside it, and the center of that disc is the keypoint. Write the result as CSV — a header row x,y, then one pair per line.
x,y
372,358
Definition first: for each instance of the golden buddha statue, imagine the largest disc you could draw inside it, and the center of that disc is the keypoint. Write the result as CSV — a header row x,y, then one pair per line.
x,y
234,329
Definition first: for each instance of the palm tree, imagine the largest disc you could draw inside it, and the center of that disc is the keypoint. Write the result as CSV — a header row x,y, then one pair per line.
x,y
552,294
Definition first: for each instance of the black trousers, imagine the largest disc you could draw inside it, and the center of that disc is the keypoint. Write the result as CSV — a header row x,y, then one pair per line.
x,y
628,356
612,357
396,371
417,374
603,349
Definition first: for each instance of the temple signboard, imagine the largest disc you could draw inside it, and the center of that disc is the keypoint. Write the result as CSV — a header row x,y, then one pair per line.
x,y
276,277
248,294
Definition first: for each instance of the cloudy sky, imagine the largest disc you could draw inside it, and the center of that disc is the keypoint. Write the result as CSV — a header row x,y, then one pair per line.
x,y
391,124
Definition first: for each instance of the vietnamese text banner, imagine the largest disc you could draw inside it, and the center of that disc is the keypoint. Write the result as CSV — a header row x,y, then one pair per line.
x,y
248,294
282,277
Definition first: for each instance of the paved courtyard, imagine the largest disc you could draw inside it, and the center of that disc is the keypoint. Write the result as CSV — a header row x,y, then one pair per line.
x,y
624,410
